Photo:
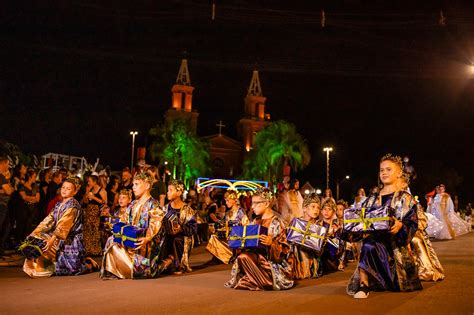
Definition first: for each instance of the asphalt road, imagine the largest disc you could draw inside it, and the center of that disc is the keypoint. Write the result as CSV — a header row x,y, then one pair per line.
x,y
202,292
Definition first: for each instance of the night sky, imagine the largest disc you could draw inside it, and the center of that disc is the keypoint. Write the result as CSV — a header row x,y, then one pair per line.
x,y
76,77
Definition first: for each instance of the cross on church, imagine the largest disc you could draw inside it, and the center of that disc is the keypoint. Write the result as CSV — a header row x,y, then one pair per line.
x,y
220,125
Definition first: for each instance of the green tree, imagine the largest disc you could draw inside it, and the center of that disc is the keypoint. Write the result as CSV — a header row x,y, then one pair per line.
x,y
186,154
276,146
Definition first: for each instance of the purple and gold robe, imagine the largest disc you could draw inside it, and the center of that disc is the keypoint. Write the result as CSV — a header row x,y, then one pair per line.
x,y
128,263
266,269
386,258
219,248
66,255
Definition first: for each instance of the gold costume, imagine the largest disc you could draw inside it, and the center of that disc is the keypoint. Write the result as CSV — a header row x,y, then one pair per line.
x,y
219,247
129,263
429,267
66,255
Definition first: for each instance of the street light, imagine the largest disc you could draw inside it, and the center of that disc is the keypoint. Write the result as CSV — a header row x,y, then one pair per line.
x,y
133,134
327,150
338,183
318,191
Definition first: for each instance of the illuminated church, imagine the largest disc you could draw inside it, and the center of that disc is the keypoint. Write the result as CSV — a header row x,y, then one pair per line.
x,y
226,153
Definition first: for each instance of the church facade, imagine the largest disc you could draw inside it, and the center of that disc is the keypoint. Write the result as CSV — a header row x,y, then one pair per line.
x,y
227,154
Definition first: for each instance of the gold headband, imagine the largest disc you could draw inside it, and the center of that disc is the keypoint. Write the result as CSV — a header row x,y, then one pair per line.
x,y
329,203
231,194
76,181
144,177
394,158
178,184
265,193
311,198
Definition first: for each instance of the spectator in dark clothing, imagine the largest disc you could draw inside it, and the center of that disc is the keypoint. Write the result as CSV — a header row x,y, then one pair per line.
x,y
45,179
158,190
27,212
53,186
112,192
127,182
6,190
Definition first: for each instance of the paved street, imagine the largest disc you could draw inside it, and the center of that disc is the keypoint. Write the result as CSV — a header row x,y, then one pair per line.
x,y
202,292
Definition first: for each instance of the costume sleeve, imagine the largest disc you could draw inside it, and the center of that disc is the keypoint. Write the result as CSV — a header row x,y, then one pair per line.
x,y
65,223
409,227
123,217
156,216
245,220
422,222
190,227
45,226
280,249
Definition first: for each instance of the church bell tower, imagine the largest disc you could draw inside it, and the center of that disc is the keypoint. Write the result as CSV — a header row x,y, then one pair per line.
x,y
182,98
255,117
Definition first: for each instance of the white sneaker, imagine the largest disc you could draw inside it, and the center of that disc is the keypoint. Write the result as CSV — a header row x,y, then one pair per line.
x,y
361,295
363,292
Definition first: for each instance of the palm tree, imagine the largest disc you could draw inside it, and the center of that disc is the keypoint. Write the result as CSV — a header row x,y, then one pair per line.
x,y
186,154
275,147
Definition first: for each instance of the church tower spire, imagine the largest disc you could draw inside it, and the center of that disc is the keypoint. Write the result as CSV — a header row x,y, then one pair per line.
x,y
255,89
255,101
182,98
183,75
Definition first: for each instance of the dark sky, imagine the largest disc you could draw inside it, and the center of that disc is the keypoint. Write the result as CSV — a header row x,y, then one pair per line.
x,y
76,77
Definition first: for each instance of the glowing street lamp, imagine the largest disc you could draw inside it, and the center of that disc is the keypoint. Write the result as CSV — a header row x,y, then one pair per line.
x,y
318,191
327,150
133,134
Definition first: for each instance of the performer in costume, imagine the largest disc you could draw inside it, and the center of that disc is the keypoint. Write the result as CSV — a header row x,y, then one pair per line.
x,y
351,251
266,269
293,203
360,198
307,263
332,258
385,260
143,261
181,225
429,267
124,200
64,252
443,209
218,245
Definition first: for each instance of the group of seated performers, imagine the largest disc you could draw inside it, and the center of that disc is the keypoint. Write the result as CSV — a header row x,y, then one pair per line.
x,y
159,240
